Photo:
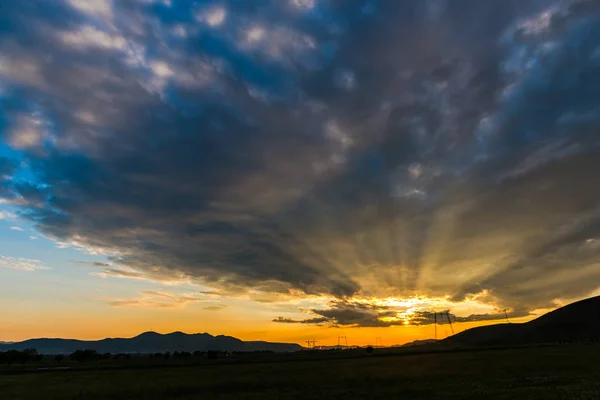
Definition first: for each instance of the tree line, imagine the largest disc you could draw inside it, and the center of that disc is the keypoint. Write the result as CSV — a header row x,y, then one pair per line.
x,y
31,355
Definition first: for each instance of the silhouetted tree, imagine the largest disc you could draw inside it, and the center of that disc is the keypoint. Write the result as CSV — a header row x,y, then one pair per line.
x,y
84,355
369,349
213,355
19,357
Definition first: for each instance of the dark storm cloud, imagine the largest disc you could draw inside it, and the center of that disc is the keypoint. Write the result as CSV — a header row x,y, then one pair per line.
x,y
382,148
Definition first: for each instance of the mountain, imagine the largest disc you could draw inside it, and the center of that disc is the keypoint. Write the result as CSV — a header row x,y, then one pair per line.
x,y
575,322
151,342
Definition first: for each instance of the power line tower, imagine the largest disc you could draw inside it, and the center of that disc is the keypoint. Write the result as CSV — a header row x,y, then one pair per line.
x,y
506,316
378,342
314,344
340,338
435,324
443,314
447,312
308,344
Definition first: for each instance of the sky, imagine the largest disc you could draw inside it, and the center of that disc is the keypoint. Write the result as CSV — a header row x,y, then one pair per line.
x,y
288,170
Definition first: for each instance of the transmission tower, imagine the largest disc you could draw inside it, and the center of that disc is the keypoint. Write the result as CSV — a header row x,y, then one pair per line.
x,y
447,312
435,324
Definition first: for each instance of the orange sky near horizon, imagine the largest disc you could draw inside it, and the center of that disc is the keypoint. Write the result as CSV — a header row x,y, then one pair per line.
x,y
124,323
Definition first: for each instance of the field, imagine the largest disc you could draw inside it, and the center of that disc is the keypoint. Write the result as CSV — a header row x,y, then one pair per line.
x,y
557,372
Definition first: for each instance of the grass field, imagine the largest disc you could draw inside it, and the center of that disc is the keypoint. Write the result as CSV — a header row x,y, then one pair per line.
x,y
560,372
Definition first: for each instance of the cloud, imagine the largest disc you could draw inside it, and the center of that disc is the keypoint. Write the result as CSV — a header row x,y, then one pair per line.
x,y
22,264
315,321
152,299
93,263
140,304
28,132
156,275
7,168
375,314
118,273
215,308
89,36
6,215
381,149
210,293
95,8
214,16
177,299
16,228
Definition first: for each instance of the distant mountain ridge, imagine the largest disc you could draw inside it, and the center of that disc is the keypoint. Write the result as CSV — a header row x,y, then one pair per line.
x,y
150,342
579,321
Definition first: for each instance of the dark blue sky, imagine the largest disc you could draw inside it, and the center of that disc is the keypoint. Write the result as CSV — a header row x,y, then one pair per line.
x,y
345,149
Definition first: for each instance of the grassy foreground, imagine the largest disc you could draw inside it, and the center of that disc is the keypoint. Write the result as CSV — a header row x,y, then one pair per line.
x,y
561,372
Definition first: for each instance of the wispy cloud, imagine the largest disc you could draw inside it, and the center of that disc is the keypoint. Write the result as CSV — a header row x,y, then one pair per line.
x,y
216,307
158,275
120,273
79,244
93,263
7,215
176,298
16,228
312,321
22,264
152,299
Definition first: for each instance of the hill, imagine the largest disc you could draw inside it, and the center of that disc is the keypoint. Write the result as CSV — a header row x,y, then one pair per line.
x,y
418,343
150,342
579,321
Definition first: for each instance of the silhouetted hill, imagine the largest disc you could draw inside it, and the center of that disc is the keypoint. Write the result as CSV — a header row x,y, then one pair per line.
x,y
578,321
151,342
419,343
